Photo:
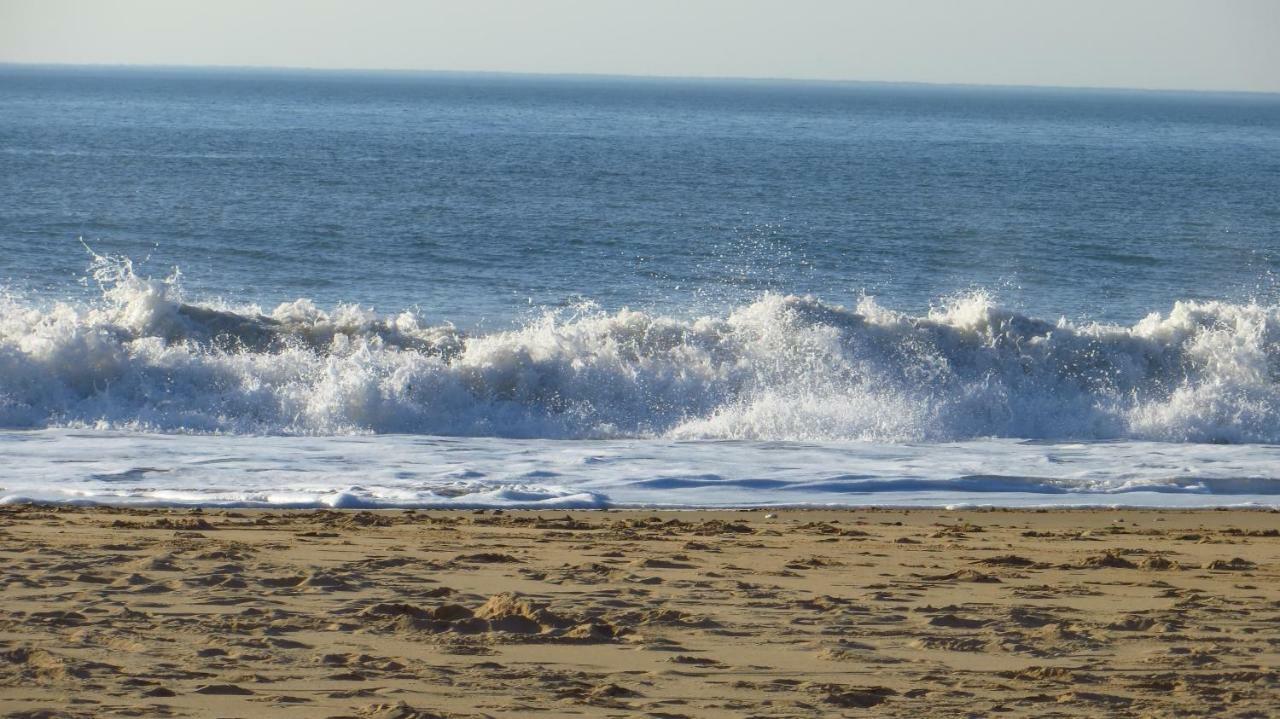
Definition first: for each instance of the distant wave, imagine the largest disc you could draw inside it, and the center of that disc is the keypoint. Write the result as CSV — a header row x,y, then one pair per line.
x,y
780,368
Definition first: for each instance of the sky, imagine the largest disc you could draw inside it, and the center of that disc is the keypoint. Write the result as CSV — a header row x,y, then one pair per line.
x,y
1155,44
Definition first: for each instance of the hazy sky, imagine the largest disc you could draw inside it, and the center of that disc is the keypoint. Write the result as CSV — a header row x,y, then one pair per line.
x,y
1191,44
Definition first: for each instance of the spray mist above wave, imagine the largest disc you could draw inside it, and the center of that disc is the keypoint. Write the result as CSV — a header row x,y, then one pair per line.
x,y
782,368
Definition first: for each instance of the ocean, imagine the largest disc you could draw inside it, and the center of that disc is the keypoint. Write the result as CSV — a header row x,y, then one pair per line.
x,y
354,289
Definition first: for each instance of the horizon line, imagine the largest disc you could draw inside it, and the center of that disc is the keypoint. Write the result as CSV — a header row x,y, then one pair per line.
x,y
623,76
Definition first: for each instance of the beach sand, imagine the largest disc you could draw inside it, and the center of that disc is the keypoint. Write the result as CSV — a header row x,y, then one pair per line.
x,y
157,613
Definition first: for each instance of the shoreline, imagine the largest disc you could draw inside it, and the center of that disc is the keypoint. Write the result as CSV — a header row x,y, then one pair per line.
x,y
397,614
955,507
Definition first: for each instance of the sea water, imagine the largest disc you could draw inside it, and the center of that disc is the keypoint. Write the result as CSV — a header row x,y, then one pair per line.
x,y
398,289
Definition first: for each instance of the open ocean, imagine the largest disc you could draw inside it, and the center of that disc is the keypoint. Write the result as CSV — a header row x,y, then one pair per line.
x,y
396,289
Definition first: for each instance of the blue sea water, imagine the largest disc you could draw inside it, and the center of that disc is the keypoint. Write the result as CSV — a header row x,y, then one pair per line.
x,y
406,289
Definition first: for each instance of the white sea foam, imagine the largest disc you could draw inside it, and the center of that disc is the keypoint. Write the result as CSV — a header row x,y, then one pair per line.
x,y
780,368
105,466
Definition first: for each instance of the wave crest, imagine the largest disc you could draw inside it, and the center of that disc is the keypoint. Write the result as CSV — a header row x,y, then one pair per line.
x,y
780,368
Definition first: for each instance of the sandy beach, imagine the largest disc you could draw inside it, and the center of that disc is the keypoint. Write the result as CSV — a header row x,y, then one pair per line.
x,y
401,614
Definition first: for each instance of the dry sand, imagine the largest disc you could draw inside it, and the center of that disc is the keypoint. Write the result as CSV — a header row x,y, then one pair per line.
x,y
110,612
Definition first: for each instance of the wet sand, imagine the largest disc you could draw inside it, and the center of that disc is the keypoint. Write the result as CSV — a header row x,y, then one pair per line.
x,y
396,615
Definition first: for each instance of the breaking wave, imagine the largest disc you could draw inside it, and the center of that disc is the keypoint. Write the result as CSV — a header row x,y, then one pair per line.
x,y
780,368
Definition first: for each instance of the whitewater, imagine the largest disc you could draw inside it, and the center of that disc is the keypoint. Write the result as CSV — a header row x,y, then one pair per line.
x,y
140,395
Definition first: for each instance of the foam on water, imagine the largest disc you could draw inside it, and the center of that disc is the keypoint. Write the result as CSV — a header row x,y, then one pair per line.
x,y
143,397
105,466
782,368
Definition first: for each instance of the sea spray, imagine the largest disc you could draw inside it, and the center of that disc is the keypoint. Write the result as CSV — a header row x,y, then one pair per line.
x,y
142,356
